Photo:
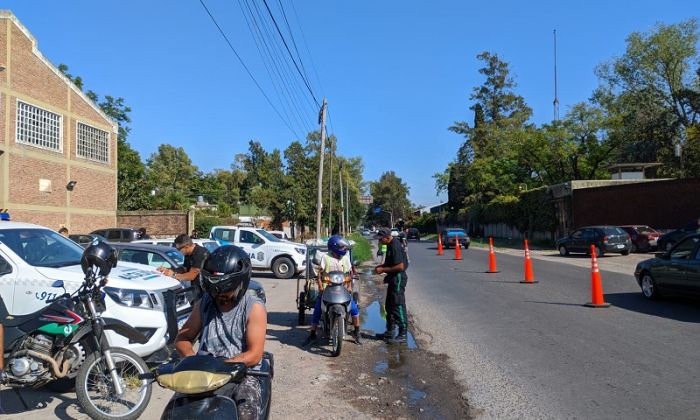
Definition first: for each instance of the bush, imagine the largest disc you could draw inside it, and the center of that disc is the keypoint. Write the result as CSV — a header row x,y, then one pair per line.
x,y
362,250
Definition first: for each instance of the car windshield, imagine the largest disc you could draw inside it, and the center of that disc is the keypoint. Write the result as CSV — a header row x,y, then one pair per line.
x,y
454,232
267,235
224,234
209,245
613,231
42,247
176,256
645,229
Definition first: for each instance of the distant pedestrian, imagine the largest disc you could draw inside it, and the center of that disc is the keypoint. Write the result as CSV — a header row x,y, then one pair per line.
x,y
142,233
63,231
394,267
194,234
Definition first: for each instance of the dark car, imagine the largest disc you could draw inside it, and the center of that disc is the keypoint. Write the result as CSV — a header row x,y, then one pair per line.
x,y
120,234
168,257
674,272
85,240
667,241
412,233
605,239
643,237
450,235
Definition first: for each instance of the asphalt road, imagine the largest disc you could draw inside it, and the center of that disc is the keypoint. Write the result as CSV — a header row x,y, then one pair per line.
x,y
533,351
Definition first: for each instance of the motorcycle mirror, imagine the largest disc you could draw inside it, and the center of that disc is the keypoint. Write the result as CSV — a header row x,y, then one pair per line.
x,y
58,283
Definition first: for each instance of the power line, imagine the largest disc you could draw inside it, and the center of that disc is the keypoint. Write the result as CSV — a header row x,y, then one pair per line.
x,y
306,82
246,67
291,35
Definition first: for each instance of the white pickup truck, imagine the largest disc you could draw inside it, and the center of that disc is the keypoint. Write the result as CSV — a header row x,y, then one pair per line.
x,y
33,257
267,252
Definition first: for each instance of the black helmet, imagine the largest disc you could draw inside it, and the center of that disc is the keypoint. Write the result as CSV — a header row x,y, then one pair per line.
x,y
227,268
99,258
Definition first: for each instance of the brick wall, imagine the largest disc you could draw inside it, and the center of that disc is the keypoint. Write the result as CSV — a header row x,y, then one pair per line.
x,y
50,220
25,174
158,223
94,189
80,223
661,204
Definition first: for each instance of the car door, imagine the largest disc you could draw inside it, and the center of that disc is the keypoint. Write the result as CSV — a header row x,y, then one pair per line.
x,y
114,235
692,275
574,244
8,275
675,276
254,246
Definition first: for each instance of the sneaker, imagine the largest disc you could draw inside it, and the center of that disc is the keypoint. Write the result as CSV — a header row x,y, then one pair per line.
x,y
311,339
399,339
386,335
358,336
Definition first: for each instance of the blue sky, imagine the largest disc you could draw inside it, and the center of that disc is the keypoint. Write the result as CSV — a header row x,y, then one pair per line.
x,y
396,73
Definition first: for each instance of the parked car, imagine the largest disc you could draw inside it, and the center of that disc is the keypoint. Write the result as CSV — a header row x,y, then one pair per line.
x,y
674,272
209,244
449,238
412,233
168,257
33,257
85,240
667,241
643,237
605,239
119,234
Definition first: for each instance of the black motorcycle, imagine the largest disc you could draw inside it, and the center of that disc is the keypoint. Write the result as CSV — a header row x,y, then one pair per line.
x,y
66,340
335,308
195,380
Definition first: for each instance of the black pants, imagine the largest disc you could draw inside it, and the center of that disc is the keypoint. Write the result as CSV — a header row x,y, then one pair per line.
x,y
395,305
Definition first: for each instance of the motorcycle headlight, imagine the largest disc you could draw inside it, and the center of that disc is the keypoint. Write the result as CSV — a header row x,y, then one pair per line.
x,y
132,298
302,251
337,278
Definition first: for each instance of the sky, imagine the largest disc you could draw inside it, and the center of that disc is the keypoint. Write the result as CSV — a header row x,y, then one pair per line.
x,y
396,74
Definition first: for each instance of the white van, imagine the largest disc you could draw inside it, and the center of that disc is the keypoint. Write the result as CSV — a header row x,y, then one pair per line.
x,y
33,257
267,252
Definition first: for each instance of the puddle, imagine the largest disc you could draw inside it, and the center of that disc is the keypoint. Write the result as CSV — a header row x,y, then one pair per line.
x,y
373,318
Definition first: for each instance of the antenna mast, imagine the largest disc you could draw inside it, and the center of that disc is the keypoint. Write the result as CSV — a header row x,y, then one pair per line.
x,y
556,95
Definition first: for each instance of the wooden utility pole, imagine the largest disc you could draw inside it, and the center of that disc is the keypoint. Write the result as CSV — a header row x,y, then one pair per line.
x,y
342,204
319,200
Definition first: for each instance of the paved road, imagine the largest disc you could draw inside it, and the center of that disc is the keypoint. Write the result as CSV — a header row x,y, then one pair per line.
x,y
532,351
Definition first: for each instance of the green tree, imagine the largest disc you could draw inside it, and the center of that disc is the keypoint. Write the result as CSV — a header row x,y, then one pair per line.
x,y
390,194
173,178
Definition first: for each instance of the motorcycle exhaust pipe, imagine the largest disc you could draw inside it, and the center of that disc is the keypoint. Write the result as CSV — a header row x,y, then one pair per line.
x,y
59,372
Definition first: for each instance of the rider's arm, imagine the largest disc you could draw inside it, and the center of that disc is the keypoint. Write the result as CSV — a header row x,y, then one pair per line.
x,y
191,275
188,333
256,328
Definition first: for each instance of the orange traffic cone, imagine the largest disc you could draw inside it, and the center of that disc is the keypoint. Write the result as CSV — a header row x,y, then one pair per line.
x,y
458,250
529,277
439,244
596,284
492,258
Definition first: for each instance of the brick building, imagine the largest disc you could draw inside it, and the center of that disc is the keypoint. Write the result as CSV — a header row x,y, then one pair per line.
x,y
58,150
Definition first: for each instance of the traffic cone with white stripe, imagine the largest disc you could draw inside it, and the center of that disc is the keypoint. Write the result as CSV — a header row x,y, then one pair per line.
x,y
439,244
458,249
529,276
596,284
492,257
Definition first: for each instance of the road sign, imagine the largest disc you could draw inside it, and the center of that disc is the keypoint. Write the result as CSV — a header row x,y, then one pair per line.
x,y
377,210
366,199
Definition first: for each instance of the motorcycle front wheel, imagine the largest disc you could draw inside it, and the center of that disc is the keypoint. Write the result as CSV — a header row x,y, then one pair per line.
x,y
337,333
95,389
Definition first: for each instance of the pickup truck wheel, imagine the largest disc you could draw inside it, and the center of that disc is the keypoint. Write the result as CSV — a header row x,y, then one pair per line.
x,y
283,268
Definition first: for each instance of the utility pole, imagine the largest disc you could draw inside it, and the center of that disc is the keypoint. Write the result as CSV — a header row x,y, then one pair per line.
x,y
556,93
330,189
342,204
319,199
347,204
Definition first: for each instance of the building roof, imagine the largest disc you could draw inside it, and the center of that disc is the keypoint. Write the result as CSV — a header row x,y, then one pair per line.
x,y
6,14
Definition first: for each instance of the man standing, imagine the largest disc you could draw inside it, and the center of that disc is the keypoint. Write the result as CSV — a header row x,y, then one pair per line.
x,y
394,267
195,257
63,231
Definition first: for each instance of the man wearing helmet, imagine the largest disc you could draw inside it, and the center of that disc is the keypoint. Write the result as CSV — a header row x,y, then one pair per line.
x,y
337,259
229,323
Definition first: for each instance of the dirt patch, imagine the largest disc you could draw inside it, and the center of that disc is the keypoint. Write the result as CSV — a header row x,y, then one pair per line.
x,y
395,381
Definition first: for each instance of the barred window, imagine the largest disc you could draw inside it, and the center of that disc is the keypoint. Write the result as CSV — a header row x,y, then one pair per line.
x,y
39,127
93,143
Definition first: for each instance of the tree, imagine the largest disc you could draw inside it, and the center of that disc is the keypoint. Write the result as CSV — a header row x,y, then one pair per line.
x,y
173,178
264,182
390,194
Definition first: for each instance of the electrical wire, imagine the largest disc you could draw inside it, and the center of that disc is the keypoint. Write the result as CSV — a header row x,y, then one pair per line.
x,y
223,34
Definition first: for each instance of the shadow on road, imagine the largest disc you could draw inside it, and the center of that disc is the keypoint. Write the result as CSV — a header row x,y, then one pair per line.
x,y
292,334
554,303
36,400
683,310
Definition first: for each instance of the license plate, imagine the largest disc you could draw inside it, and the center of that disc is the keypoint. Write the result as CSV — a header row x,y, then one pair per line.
x,y
620,246
181,322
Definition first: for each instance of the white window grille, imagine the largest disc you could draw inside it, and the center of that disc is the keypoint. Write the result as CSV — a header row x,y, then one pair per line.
x,y
93,143
39,127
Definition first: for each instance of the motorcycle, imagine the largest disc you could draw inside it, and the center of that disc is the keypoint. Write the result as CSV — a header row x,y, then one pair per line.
x,y
335,309
195,379
66,340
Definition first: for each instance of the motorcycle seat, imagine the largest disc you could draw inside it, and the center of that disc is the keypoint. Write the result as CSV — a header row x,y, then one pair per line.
x,y
17,320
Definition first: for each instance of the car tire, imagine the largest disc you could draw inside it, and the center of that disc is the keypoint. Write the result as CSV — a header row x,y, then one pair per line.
x,y
599,251
283,268
625,253
466,246
563,251
649,287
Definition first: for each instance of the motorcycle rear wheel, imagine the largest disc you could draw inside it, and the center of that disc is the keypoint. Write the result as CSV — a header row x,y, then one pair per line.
x,y
95,390
337,333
